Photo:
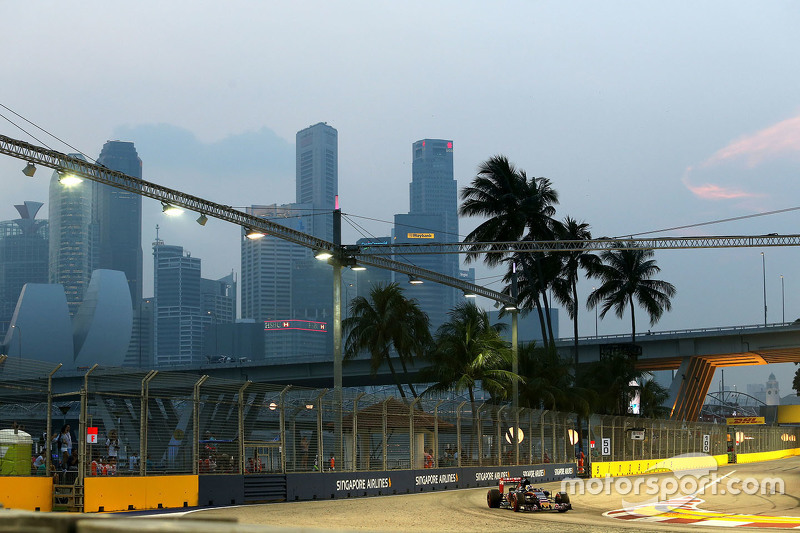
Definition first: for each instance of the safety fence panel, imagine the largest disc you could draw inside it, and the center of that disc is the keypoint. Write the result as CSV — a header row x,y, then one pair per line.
x,y
139,422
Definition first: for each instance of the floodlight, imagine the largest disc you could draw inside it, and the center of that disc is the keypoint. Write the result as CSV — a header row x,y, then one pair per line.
x,y
254,234
29,170
170,210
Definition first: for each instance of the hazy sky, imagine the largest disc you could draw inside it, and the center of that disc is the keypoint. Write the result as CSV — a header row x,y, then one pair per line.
x,y
644,115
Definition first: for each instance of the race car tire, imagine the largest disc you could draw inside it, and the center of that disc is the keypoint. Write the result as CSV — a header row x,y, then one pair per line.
x,y
515,504
493,498
563,499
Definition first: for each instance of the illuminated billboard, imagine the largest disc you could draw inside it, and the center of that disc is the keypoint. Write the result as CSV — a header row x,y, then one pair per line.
x,y
298,325
420,235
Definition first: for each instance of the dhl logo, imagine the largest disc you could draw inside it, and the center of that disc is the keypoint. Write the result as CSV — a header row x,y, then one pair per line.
x,y
745,420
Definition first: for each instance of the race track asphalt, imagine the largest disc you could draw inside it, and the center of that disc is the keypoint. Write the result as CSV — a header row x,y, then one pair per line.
x,y
466,510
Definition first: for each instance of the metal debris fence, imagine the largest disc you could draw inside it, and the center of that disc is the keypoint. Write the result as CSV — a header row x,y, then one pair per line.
x,y
145,423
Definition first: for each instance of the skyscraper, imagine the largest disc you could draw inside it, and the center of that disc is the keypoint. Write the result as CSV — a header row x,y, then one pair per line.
x,y
317,175
433,189
73,236
282,282
118,216
179,322
283,286
24,257
432,217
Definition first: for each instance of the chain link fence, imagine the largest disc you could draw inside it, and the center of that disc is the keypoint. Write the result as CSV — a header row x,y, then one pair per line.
x,y
129,422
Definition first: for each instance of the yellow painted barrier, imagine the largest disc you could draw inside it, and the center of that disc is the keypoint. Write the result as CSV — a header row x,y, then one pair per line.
x,y
118,493
788,414
28,493
757,457
651,466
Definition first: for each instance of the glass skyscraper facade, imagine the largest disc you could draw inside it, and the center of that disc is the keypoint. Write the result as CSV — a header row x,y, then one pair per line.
x,y
432,217
179,323
73,237
317,175
118,217
24,257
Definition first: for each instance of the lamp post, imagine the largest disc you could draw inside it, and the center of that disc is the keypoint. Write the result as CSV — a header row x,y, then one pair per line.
x,y
19,339
595,316
764,275
783,302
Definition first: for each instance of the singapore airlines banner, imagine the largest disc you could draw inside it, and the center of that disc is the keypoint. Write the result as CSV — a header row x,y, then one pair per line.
x,y
330,485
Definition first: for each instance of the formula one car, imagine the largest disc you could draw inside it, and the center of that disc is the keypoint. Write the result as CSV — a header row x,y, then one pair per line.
x,y
516,493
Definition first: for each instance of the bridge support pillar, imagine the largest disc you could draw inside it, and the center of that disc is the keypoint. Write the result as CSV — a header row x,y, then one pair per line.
x,y
689,388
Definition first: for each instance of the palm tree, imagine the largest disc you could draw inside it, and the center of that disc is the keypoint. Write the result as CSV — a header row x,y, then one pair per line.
x,y
549,382
386,321
626,277
516,208
468,350
533,276
652,397
565,287
499,192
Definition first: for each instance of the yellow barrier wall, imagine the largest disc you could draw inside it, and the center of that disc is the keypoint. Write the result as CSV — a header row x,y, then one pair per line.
x,y
789,414
28,493
124,493
650,466
766,456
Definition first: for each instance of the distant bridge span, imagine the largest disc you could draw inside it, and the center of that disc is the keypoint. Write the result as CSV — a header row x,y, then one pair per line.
x,y
695,354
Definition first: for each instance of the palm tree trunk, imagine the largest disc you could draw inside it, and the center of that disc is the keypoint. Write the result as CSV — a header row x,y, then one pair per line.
x,y
475,429
547,315
541,322
394,376
575,324
408,381
633,322
543,289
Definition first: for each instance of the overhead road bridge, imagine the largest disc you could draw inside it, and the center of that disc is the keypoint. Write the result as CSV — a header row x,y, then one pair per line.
x,y
695,354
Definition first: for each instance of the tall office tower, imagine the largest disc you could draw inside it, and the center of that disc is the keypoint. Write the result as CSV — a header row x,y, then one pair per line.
x,y
73,236
179,323
282,283
433,189
24,257
317,175
118,216
433,217
218,299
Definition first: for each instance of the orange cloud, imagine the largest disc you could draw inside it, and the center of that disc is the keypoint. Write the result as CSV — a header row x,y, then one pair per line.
x,y
781,139
710,191
777,141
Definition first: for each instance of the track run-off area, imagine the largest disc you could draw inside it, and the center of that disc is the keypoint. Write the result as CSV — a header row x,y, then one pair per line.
x,y
714,501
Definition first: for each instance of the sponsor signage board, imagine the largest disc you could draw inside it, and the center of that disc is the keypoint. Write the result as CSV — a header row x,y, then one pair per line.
x,y
420,235
746,421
